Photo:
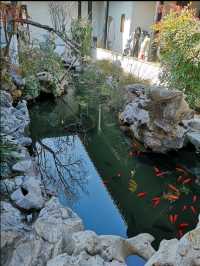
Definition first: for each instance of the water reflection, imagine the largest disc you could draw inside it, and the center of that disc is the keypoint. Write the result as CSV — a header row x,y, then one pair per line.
x,y
62,166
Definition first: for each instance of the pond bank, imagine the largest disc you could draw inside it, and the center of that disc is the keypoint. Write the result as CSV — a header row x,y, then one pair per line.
x,y
36,229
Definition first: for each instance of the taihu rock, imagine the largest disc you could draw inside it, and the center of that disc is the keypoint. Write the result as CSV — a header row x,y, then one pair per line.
x,y
155,117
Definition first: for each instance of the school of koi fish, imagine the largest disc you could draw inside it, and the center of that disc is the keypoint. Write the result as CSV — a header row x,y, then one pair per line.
x,y
173,193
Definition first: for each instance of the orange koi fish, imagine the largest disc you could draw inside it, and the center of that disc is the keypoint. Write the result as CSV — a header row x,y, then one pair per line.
x,y
156,203
156,198
172,197
184,208
183,225
173,188
161,173
194,198
175,218
171,219
142,194
179,169
186,181
193,209
156,169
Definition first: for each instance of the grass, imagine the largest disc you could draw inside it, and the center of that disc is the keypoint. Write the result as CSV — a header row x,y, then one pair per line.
x,y
110,69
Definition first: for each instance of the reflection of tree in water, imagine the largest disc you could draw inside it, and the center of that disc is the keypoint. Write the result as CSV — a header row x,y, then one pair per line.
x,y
61,167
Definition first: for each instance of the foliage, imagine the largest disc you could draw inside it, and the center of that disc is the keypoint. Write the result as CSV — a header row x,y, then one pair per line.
x,y
112,69
81,31
179,38
38,59
61,15
103,83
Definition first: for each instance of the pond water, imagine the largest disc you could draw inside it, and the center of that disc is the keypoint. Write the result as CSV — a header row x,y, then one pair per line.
x,y
99,174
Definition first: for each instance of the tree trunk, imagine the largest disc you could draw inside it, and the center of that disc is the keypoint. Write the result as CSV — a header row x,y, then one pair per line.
x,y
79,9
90,11
106,24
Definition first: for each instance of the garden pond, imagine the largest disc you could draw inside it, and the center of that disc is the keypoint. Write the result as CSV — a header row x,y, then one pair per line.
x,y
108,179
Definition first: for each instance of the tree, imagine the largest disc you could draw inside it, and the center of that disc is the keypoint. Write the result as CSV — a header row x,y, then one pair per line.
x,y
179,39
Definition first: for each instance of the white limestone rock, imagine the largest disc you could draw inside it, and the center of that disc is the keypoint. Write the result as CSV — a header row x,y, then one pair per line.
x,y
29,195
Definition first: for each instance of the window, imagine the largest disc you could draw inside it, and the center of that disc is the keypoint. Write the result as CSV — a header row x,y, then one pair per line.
x,y
122,23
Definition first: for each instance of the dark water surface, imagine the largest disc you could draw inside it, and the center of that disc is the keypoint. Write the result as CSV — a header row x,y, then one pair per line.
x,y
92,172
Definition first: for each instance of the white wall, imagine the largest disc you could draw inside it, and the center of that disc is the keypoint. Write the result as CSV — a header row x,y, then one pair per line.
x,y
98,19
116,9
137,13
38,11
143,15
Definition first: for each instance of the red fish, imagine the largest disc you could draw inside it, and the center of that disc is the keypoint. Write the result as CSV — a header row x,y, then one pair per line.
x,y
156,198
184,208
193,209
119,174
173,188
175,218
171,219
186,181
183,225
194,198
156,170
172,197
161,173
156,203
179,169
142,194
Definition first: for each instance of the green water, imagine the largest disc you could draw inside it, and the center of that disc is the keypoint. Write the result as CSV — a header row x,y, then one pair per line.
x,y
109,151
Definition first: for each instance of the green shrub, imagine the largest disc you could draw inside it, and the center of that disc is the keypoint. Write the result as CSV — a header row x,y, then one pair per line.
x,y
81,31
179,39
38,59
103,83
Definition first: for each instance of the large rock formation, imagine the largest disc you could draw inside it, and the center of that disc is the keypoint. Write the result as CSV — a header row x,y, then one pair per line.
x,y
157,117
14,120
59,230
185,252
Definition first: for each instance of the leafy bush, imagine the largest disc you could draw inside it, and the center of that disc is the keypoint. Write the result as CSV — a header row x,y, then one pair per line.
x,y
38,59
81,31
179,39
103,83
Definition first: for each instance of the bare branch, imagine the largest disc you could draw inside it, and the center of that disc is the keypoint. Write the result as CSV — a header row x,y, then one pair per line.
x,y
72,44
